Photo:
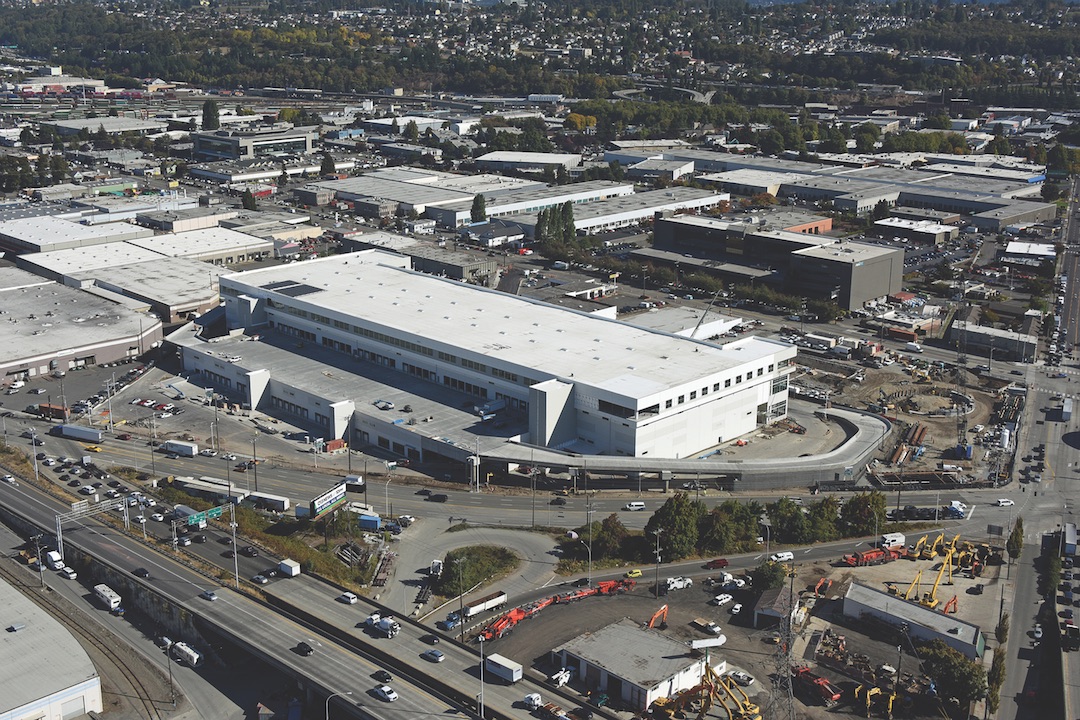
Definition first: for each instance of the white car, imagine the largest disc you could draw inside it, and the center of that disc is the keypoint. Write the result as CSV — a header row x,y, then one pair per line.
x,y
1004,502
68,573
228,456
722,599
1037,633
736,609
742,678
139,519
386,693
384,404
9,479
157,517
208,452
348,598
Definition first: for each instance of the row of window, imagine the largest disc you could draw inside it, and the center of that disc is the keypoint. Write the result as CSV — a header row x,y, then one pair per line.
x,y
462,386
289,407
716,386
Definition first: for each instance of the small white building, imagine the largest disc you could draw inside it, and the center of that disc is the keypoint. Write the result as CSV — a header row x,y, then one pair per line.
x,y
634,666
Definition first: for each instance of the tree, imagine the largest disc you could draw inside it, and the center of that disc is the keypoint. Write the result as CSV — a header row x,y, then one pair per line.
x,y
863,514
247,201
569,230
478,213
822,519
1015,544
956,676
678,521
1001,632
327,166
412,131
789,524
768,576
395,127
609,537
996,679
211,118
283,178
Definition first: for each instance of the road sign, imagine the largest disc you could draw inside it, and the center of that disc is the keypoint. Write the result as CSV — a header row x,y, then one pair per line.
x,y
196,519
214,512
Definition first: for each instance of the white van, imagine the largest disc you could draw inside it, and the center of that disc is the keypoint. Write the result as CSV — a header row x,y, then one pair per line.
x,y
634,506
786,556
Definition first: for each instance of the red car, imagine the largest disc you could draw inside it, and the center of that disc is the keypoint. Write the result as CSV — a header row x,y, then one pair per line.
x,y
717,564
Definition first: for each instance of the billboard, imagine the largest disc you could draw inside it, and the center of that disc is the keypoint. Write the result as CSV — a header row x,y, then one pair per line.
x,y
328,501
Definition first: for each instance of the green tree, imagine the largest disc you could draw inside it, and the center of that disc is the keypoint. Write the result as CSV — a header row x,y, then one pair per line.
x,y
1015,544
395,127
996,679
789,524
678,521
478,213
247,201
822,519
1001,631
609,537
768,576
327,167
956,676
283,178
863,514
540,231
569,230
412,132
211,117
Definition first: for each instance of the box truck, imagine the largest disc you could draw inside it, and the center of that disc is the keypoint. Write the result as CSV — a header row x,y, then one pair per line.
x,y
503,668
78,432
913,347
289,568
181,448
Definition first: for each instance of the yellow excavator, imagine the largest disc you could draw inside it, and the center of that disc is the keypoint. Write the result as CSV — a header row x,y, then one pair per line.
x,y
746,710
929,552
917,548
930,599
912,587
864,694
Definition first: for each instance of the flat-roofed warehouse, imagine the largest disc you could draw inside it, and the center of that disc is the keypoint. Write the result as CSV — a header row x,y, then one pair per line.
x,y
47,674
634,666
49,232
50,327
923,624
585,383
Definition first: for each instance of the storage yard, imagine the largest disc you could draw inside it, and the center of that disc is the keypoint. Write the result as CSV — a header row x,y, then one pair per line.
x,y
850,618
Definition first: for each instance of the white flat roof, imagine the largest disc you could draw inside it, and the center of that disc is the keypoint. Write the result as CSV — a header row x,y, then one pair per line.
x,y
512,156
575,346
54,318
202,242
849,252
1029,248
43,658
926,226
94,257
46,230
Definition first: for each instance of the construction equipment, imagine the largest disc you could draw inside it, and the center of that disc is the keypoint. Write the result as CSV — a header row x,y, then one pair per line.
x,y
951,546
931,551
951,606
825,583
864,694
816,686
659,618
930,599
914,584
746,710
917,548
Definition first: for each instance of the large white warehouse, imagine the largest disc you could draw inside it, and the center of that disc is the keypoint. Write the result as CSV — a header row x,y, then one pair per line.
x,y
570,379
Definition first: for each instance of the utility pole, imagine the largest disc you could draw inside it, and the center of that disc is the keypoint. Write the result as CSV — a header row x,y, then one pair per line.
x,y
658,532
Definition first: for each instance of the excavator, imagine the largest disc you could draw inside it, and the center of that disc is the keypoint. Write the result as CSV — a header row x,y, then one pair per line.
x,y
866,694
917,548
930,551
930,599
659,619
746,710
822,587
952,606
914,584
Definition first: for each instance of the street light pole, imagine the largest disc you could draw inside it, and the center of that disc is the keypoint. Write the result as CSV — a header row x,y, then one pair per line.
x,y
658,532
461,600
168,659
255,461
334,695
480,703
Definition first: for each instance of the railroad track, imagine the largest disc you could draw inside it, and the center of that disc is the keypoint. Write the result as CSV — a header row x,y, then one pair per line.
x,y
74,620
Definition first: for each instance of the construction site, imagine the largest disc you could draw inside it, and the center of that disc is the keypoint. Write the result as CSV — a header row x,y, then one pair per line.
x,y
952,426
841,638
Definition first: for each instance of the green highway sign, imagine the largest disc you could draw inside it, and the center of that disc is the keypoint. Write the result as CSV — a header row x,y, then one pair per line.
x,y
196,519
214,512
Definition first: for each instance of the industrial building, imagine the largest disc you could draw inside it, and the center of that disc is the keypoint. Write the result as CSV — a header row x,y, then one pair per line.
x,y
624,210
50,327
47,673
634,666
922,232
994,342
1028,254
503,160
805,263
111,126
570,379
923,624
50,232
254,142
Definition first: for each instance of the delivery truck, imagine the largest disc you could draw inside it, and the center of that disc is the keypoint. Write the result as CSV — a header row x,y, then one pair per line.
x,y
77,432
503,668
289,568
488,602
913,347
